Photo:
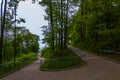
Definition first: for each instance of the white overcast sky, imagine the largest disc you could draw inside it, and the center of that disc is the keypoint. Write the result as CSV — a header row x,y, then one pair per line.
x,y
33,13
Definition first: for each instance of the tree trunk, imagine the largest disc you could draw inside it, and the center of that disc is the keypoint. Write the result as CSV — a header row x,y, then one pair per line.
x,y
2,31
83,27
15,46
51,23
61,25
66,26
96,25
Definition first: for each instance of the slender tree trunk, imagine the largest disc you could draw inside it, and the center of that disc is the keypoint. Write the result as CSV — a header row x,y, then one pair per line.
x,y
96,37
59,27
2,31
59,38
96,25
61,24
108,21
82,28
66,26
107,14
4,49
1,12
15,46
51,23
56,35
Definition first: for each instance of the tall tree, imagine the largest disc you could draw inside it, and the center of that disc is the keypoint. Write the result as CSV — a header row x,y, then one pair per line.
x,y
2,30
15,49
61,23
51,24
66,24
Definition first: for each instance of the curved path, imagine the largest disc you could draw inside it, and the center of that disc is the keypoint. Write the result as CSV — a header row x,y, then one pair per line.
x,y
96,69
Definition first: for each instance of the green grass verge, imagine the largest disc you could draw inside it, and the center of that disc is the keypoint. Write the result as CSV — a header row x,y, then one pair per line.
x,y
64,60
22,61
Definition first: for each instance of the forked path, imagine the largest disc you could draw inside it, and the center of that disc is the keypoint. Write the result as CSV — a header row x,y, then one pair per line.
x,y
96,69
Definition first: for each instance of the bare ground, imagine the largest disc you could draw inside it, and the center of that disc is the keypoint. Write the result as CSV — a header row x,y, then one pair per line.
x,y
96,69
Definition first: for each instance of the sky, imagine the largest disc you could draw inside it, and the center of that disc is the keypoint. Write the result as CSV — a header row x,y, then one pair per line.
x,y
33,14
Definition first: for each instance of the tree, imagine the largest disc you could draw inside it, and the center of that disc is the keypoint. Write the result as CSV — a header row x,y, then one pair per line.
x,y
60,17
51,24
2,29
95,23
66,25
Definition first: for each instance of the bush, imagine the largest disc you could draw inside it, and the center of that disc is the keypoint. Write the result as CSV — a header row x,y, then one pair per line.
x,y
26,57
21,61
61,60
110,40
46,53
61,63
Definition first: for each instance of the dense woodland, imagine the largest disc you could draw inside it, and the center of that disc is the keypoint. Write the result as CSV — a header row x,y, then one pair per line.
x,y
91,25
86,24
15,41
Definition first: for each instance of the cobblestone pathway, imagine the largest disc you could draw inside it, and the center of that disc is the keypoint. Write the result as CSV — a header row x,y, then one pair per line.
x,y
96,69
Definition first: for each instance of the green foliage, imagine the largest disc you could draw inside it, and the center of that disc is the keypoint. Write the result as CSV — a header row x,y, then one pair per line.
x,y
109,40
46,53
26,57
56,54
96,25
16,40
61,64
58,14
60,59
26,43
22,61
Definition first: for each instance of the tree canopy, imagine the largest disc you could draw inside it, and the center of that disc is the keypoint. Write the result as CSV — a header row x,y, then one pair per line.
x,y
90,24
14,40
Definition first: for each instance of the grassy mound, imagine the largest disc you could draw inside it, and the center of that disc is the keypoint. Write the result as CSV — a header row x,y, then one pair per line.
x,y
60,60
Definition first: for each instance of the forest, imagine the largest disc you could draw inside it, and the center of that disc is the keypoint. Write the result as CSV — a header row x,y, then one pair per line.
x,y
90,25
18,46
97,25
82,23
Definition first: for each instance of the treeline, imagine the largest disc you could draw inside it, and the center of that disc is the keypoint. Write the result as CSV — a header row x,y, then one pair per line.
x,y
57,14
57,55
96,25
89,24
14,40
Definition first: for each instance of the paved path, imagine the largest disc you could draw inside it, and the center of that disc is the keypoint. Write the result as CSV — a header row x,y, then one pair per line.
x,y
96,69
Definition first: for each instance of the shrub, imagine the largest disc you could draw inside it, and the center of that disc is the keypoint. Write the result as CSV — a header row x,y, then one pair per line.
x,y
61,60
110,40
61,63
21,61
